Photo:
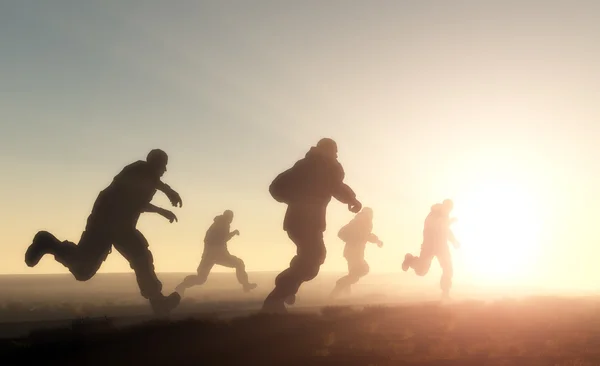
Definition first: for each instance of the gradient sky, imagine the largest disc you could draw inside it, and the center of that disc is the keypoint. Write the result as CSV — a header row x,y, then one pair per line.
x,y
426,99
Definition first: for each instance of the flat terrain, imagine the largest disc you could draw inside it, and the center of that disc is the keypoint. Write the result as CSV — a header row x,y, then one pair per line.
x,y
387,320
33,302
30,302
533,331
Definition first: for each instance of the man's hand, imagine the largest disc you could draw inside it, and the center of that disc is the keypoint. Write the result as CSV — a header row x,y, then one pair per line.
x,y
169,215
380,244
236,232
174,197
355,206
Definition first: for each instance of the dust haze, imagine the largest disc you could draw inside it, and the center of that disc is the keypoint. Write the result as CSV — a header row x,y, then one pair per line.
x,y
31,302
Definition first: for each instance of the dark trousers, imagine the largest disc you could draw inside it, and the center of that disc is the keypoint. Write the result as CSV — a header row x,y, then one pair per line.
x,y
357,268
85,258
304,266
422,263
209,260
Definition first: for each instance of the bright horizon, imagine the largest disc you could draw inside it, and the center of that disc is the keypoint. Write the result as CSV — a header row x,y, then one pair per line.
x,y
494,105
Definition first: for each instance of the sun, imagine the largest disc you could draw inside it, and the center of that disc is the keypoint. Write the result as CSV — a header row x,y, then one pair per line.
x,y
499,229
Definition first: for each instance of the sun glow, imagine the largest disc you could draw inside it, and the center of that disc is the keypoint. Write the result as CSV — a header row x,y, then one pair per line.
x,y
499,229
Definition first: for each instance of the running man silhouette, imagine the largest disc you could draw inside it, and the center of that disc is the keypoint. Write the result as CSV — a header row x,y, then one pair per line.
x,y
307,188
436,234
356,234
113,221
215,252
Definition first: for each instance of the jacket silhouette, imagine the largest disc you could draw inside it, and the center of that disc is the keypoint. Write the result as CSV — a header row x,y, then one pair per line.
x,y
307,189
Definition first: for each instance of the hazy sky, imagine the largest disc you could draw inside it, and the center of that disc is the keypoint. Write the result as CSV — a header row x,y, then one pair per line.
x,y
492,103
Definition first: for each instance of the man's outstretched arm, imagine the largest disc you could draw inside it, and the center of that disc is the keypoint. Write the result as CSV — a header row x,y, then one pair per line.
x,y
153,209
452,239
374,239
346,195
170,193
343,193
161,211
231,235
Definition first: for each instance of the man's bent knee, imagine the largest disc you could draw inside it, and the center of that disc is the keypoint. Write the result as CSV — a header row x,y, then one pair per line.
x,y
200,280
364,269
364,272
310,271
305,268
83,273
421,271
239,265
195,280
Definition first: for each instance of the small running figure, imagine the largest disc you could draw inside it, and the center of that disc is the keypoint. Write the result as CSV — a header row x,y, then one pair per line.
x,y
356,234
436,234
215,252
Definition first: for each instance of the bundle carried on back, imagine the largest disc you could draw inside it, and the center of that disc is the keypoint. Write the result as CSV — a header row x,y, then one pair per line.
x,y
346,233
358,229
283,186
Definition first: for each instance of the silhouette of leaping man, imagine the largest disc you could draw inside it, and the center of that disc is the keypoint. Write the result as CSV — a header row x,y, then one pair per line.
x,y
215,252
436,234
113,221
355,235
307,188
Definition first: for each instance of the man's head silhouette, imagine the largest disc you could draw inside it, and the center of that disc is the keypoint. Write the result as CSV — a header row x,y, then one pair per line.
x,y
328,147
447,206
158,160
367,212
228,215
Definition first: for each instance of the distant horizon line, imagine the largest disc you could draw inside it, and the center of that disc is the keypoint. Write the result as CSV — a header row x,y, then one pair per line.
x,y
165,272
552,290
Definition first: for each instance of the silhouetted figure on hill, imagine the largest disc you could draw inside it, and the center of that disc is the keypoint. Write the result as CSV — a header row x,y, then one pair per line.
x,y
307,189
436,234
215,252
113,221
356,234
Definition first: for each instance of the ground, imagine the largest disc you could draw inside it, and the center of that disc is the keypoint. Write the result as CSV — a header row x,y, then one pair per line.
x,y
534,331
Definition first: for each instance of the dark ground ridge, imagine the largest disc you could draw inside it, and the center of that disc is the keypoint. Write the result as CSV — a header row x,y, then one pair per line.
x,y
537,331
